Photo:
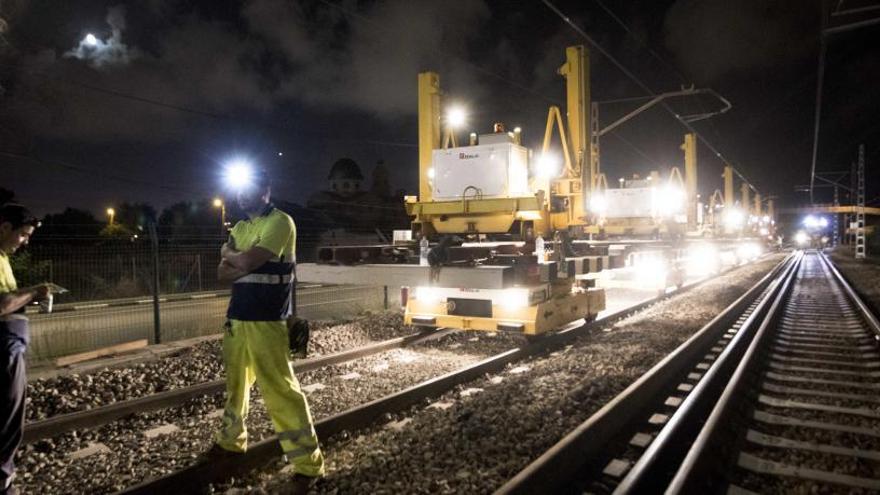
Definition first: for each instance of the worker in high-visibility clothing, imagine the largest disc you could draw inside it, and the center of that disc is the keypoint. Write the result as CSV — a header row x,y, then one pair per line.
x,y
260,260
16,226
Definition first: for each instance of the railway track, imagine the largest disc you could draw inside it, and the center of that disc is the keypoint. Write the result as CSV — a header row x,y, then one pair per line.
x,y
195,477
63,423
776,395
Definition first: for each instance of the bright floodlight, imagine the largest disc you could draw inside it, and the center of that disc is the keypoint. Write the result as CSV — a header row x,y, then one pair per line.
x,y
239,174
598,203
669,200
455,117
733,218
810,221
801,238
547,166
91,40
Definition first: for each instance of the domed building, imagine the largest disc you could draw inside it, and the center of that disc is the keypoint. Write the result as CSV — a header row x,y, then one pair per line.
x,y
345,177
356,207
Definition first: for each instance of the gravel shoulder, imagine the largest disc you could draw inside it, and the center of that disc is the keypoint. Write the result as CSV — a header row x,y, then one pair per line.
x,y
138,448
864,275
476,437
199,363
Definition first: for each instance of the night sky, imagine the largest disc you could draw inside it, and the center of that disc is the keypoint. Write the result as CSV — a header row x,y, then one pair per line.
x,y
175,88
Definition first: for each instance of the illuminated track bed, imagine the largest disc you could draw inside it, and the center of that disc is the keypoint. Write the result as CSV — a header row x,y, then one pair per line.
x,y
482,433
777,396
133,456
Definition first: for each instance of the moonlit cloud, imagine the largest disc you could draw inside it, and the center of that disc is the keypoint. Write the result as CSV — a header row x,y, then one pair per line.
x,y
104,53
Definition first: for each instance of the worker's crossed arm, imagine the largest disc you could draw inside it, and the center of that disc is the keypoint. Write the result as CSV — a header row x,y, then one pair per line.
x,y
236,264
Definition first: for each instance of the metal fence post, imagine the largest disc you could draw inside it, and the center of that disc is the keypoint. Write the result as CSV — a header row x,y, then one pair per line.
x,y
154,243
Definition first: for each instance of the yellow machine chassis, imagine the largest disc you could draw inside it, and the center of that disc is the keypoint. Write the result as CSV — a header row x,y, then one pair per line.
x,y
535,320
483,215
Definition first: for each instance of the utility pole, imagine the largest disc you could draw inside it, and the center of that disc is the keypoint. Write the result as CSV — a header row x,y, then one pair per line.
x,y
860,205
835,240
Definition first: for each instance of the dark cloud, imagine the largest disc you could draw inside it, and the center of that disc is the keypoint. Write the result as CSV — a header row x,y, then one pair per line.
x,y
714,38
342,59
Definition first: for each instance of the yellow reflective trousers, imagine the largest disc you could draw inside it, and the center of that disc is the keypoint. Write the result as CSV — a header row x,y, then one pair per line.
x,y
257,351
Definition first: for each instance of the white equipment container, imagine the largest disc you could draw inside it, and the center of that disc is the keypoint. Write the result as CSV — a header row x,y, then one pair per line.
x,y
629,202
498,170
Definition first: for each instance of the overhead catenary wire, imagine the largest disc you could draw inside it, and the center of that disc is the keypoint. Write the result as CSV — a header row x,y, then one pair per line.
x,y
187,190
508,80
204,113
672,68
644,87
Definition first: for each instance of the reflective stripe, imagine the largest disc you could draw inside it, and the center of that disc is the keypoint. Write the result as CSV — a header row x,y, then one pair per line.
x,y
294,435
14,316
264,278
232,417
299,452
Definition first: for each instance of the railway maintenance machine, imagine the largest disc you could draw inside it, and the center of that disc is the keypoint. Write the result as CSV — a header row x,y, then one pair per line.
x,y
531,205
505,238
491,246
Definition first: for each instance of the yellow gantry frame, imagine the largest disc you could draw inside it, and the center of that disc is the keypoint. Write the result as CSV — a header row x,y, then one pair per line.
x,y
496,215
690,174
728,187
429,128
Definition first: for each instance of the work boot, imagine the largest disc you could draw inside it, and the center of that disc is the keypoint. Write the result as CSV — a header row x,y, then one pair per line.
x,y
217,452
300,484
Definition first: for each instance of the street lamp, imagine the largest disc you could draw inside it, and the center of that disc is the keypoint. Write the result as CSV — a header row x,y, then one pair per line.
x,y
112,214
218,203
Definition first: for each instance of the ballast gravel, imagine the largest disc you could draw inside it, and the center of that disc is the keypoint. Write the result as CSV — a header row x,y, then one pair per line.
x,y
483,433
196,364
131,456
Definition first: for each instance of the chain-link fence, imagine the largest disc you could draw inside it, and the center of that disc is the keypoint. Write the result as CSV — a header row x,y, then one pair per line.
x,y
112,298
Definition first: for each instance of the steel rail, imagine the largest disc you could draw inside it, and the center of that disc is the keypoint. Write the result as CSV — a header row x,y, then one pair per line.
x,y
708,453
647,475
57,425
553,470
91,418
195,477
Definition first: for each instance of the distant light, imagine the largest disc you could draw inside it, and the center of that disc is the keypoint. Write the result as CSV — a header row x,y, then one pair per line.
x,y
280,153
456,117
814,222
801,238
111,211
517,130
218,202
733,218
91,40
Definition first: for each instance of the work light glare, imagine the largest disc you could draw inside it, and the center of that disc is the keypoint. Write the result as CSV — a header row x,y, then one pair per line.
x,y
238,175
456,117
